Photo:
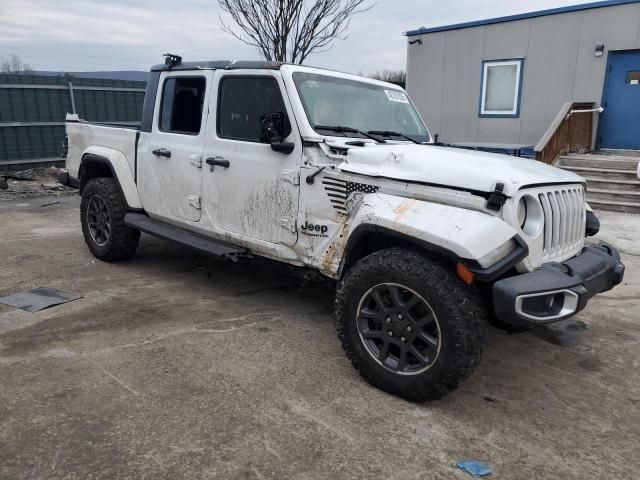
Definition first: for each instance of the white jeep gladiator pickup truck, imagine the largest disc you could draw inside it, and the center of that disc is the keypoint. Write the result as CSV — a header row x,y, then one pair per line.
x,y
339,174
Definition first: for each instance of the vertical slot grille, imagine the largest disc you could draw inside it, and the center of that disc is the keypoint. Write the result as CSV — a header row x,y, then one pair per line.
x,y
564,220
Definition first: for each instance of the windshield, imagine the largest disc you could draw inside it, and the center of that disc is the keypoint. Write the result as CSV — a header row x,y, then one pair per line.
x,y
332,102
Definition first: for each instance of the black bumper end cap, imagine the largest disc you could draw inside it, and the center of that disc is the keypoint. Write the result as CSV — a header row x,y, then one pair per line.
x,y
595,270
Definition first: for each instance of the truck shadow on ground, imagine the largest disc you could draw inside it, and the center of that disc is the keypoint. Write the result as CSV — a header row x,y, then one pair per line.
x,y
253,277
166,287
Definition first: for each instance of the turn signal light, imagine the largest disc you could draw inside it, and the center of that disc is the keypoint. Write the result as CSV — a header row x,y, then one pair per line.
x,y
464,273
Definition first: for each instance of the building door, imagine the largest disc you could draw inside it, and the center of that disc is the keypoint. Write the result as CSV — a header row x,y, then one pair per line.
x,y
620,121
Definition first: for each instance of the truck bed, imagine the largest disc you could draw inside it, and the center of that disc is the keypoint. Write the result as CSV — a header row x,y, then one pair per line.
x,y
82,134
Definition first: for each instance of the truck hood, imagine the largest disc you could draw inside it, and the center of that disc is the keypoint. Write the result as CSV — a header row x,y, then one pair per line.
x,y
453,167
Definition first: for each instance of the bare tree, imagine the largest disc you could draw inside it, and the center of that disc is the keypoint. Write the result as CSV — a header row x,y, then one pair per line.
x,y
14,64
393,76
289,30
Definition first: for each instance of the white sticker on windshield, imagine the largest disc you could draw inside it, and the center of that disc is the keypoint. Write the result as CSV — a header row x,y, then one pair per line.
x,y
396,96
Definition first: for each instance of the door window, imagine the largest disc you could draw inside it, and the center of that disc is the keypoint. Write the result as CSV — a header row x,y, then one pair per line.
x,y
181,107
243,104
633,78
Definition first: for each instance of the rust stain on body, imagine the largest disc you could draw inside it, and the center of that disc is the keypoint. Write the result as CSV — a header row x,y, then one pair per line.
x,y
335,249
402,209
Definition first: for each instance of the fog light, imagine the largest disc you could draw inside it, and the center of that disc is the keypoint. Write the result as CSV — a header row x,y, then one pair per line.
x,y
547,306
554,303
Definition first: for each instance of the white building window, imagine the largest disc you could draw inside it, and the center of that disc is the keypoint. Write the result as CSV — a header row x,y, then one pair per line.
x,y
501,86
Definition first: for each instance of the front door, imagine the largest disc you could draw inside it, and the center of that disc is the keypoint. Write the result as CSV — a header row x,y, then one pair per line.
x,y
170,156
253,190
620,121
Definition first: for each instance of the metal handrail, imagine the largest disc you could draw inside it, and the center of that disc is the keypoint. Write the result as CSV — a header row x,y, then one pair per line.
x,y
598,110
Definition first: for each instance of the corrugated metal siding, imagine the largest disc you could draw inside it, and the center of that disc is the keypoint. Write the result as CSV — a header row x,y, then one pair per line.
x,y
31,105
28,143
560,67
50,105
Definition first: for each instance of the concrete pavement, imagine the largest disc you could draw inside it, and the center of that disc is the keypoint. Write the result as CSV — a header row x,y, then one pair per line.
x,y
174,366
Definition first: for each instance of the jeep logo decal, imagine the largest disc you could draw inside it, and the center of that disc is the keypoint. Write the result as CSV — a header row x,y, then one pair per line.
x,y
315,230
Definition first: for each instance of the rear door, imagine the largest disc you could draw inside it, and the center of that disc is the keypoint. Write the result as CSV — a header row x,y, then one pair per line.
x,y
620,121
170,156
256,195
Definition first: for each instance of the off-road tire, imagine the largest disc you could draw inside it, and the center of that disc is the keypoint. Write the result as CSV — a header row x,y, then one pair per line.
x,y
459,309
122,241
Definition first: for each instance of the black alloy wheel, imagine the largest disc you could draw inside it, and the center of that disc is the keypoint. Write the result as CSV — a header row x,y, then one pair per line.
x,y
102,212
98,220
398,328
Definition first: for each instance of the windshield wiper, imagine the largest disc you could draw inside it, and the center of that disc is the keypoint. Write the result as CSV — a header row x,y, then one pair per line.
x,y
340,129
388,133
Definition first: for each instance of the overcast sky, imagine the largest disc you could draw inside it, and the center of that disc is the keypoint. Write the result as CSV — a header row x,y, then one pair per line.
x,y
83,35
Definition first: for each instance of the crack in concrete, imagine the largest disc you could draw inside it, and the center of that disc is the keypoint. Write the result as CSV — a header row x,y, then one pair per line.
x,y
113,377
99,367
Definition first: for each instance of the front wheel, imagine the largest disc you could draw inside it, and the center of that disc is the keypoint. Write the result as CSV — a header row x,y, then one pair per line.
x,y
408,324
102,211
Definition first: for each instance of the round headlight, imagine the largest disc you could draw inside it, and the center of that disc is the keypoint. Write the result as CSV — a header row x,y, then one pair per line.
x,y
522,212
530,216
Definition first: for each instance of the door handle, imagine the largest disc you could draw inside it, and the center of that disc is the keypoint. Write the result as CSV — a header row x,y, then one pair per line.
x,y
221,162
162,152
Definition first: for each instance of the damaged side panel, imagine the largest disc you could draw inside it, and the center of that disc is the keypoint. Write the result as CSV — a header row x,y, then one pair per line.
x,y
465,233
320,225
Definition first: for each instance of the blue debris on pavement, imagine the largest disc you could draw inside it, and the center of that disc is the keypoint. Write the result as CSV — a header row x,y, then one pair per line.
x,y
474,468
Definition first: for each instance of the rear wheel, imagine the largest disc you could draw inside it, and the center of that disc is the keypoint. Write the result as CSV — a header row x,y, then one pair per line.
x,y
102,212
408,324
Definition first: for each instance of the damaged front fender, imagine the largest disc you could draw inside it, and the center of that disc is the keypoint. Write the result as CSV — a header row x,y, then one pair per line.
x,y
456,232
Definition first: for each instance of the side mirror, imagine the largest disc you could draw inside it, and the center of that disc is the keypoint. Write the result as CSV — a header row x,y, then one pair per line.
x,y
273,133
273,128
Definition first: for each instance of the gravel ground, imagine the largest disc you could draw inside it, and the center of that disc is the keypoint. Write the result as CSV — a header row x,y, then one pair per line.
x,y
33,183
173,365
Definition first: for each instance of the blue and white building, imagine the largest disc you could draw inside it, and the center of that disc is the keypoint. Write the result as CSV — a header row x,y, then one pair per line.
x,y
505,80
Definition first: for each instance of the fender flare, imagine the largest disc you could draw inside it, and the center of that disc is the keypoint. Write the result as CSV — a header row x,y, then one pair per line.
x,y
117,162
488,274
366,228
457,233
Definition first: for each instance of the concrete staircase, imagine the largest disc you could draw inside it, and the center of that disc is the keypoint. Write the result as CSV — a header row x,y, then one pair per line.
x,y
612,180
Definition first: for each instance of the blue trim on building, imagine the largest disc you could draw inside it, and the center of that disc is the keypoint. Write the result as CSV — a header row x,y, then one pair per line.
x,y
524,152
521,16
519,98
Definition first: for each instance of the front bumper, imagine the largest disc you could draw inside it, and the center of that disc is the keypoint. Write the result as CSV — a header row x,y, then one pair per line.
x,y
557,290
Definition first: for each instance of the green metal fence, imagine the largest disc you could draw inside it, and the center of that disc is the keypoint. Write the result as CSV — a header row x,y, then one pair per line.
x,y
33,110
